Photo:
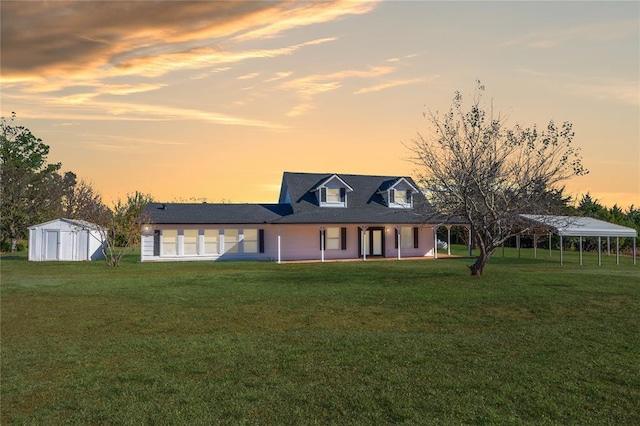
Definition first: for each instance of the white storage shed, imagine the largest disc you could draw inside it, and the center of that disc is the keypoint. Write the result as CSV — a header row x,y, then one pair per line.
x,y
65,239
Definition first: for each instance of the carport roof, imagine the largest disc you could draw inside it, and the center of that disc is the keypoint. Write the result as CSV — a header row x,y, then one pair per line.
x,y
576,226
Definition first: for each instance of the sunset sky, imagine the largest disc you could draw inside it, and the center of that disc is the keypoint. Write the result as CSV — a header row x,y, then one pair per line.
x,y
216,99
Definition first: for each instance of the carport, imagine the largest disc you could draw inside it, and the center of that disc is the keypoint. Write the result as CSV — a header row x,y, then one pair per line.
x,y
575,226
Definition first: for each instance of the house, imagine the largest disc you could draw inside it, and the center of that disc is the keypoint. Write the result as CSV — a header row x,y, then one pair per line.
x,y
65,239
317,217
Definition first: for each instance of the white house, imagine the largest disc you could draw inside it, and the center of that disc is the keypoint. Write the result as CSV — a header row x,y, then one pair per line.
x,y
317,217
65,239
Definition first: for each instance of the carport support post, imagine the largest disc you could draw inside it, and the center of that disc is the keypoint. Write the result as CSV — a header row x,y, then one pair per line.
x,y
398,242
550,234
535,246
599,254
518,245
449,240
617,250
561,250
580,250
634,250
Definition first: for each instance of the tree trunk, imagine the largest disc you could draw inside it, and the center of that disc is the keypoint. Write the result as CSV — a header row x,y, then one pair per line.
x,y
478,266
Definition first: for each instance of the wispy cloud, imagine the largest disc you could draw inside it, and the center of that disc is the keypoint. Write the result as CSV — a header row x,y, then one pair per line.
x,y
552,37
309,86
299,110
389,85
51,107
621,91
319,83
618,90
302,14
403,58
248,76
279,76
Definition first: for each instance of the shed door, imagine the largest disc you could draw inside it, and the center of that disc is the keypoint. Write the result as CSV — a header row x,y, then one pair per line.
x,y
51,245
83,246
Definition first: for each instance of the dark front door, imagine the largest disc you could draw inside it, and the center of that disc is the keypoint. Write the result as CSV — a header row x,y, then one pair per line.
x,y
371,242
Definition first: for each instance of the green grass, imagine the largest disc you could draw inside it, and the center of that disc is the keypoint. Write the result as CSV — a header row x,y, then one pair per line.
x,y
411,342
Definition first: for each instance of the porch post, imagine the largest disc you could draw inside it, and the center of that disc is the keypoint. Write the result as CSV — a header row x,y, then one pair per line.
x,y
322,229
365,246
279,242
435,242
398,242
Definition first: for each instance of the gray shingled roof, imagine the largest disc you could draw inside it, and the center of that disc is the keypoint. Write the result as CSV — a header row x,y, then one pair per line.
x,y
365,205
204,213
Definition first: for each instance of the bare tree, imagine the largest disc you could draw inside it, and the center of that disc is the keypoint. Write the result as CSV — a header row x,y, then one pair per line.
x,y
119,227
471,165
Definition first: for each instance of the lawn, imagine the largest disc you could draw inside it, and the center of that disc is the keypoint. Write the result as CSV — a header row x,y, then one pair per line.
x,y
409,342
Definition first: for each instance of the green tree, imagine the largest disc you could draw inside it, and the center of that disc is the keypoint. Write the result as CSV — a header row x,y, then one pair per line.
x,y
120,226
472,166
25,177
590,207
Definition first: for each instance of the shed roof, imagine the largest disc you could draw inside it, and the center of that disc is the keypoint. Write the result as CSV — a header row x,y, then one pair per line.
x,y
576,226
79,223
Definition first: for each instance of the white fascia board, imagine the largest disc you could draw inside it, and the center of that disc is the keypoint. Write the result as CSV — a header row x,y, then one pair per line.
x,y
406,182
326,181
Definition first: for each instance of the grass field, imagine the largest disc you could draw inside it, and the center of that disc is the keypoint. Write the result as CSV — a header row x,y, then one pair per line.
x,y
411,342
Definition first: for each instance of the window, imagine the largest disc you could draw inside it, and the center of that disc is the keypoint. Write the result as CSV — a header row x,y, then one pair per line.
x,y
409,237
332,239
406,237
250,240
211,238
230,241
169,242
401,197
190,242
333,195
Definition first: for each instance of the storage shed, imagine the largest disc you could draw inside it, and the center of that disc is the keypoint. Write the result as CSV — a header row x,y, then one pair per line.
x,y
65,239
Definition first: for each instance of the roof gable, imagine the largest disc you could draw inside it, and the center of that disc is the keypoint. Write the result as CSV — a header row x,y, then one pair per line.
x,y
327,183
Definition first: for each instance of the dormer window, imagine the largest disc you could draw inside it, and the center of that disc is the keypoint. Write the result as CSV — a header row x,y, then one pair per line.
x,y
334,195
332,192
400,194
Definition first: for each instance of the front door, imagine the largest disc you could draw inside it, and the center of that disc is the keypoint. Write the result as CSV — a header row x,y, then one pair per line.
x,y
371,242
